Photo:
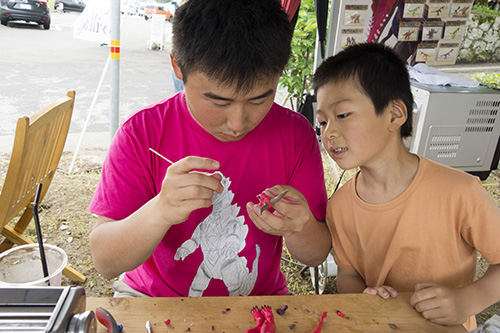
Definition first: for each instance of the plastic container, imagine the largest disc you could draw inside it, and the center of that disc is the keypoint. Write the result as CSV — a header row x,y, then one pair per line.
x,y
21,266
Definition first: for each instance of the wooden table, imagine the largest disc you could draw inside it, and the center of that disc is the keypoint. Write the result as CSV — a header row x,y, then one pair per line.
x,y
364,313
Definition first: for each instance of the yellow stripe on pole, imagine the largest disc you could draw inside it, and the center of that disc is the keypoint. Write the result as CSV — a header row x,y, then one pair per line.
x,y
115,49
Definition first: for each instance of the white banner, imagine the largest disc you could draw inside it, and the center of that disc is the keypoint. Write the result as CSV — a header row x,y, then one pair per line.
x,y
94,23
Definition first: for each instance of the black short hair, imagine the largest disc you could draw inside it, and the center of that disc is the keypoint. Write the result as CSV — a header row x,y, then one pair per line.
x,y
381,73
232,41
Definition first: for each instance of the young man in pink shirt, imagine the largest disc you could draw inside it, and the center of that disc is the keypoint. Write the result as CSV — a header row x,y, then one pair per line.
x,y
192,228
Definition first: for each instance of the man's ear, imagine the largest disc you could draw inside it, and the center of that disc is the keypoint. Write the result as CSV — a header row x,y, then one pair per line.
x,y
175,66
398,113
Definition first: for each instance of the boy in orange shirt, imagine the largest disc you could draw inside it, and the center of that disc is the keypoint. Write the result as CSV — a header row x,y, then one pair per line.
x,y
403,223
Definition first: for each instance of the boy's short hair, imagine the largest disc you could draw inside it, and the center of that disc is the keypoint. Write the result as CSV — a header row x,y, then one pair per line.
x,y
381,73
232,41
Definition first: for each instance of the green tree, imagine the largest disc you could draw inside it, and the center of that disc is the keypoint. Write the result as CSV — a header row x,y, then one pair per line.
x,y
300,68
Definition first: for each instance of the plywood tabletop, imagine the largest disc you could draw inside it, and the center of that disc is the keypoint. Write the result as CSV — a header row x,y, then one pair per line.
x,y
363,313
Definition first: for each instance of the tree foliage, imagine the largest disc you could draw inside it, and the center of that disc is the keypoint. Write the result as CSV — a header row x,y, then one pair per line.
x,y
491,80
300,68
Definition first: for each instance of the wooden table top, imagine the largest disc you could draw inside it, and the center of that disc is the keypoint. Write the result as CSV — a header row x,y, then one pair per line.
x,y
364,313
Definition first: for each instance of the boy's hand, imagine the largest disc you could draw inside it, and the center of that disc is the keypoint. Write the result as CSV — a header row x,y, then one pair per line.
x,y
290,215
383,291
184,190
440,304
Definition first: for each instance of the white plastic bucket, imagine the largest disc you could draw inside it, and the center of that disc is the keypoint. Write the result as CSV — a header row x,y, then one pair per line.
x,y
21,266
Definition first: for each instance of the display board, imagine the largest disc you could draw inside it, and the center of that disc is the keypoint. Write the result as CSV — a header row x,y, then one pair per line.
x,y
427,31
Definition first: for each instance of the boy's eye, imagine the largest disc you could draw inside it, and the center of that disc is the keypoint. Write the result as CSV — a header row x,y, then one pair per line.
x,y
342,116
257,103
322,123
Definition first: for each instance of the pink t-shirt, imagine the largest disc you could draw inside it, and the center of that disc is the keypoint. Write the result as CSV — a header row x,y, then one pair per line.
x,y
223,252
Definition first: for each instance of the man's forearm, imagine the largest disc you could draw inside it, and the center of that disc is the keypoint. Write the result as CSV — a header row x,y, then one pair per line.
x,y
312,245
120,246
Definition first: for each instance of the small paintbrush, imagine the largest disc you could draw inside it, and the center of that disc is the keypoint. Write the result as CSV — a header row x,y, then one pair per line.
x,y
157,153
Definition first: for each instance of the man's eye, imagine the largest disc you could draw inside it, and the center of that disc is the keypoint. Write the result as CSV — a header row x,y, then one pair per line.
x,y
219,105
257,103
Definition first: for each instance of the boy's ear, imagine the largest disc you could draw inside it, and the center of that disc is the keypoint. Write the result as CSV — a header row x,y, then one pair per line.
x,y
398,113
175,66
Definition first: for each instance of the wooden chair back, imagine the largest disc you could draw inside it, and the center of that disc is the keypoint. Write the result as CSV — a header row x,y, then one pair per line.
x,y
38,144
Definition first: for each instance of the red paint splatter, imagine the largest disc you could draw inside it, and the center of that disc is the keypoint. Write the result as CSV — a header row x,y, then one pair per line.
x,y
323,316
167,321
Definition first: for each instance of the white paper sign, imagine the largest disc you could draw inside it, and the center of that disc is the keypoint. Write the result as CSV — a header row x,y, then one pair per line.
x,y
94,23
158,28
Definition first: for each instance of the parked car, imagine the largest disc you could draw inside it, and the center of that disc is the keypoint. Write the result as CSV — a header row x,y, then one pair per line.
x,y
150,10
25,10
69,5
141,8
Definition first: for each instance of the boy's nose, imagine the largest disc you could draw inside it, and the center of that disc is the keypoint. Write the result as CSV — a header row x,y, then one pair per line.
x,y
331,132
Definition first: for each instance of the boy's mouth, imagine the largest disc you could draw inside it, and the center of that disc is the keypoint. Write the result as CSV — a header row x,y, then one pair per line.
x,y
337,152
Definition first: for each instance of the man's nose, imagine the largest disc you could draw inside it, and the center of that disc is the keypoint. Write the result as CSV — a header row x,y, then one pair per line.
x,y
237,119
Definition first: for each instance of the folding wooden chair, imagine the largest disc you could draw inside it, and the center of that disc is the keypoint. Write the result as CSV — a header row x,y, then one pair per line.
x,y
38,145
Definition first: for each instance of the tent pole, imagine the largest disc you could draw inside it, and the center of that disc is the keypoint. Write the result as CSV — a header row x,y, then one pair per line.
x,y
114,68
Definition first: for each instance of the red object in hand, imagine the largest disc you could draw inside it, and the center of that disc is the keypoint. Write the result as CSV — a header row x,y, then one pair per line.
x,y
263,199
266,202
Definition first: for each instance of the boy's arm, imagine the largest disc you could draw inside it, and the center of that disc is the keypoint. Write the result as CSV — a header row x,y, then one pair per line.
x,y
307,239
449,306
349,281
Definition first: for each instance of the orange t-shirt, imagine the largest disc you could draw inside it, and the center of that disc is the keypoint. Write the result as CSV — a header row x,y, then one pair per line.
x,y
429,233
